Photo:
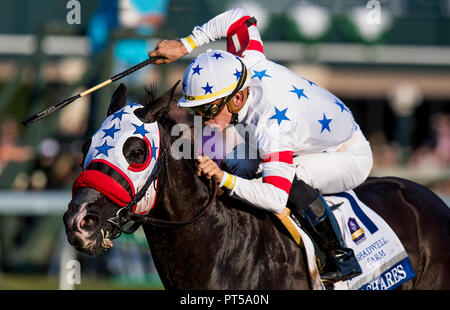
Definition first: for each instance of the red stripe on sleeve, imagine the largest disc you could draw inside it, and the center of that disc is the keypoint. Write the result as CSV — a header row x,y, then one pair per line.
x,y
284,157
279,182
239,23
238,39
255,46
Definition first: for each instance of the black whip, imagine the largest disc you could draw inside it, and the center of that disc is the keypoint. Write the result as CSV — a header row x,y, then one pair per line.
x,y
62,104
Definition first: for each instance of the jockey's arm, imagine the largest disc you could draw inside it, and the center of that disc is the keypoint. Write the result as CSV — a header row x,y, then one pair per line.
x,y
272,193
219,27
275,145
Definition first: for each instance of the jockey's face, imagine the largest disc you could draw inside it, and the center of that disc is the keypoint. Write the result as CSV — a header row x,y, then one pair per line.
x,y
221,119
215,114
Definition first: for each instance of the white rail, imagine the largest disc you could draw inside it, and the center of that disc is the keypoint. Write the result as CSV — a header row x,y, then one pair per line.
x,y
34,203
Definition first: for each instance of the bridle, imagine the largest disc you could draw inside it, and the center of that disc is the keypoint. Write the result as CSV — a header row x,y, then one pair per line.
x,y
126,214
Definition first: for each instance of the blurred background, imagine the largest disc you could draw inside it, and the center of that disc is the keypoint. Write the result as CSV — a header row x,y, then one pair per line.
x,y
389,61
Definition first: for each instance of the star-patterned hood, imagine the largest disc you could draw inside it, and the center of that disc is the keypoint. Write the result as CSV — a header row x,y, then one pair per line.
x,y
105,166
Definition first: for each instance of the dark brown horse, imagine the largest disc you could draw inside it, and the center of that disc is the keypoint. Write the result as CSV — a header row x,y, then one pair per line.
x,y
235,246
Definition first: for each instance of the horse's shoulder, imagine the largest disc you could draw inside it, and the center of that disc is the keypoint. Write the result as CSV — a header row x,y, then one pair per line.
x,y
265,220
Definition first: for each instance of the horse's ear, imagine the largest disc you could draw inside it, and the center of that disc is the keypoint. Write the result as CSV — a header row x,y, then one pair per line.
x,y
167,97
157,109
118,100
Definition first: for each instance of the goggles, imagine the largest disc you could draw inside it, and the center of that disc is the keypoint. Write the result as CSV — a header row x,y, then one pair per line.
x,y
209,111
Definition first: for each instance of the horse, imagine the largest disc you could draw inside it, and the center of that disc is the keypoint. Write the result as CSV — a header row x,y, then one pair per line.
x,y
222,243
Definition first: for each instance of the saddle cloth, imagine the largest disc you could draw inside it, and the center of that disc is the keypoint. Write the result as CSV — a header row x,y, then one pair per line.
x,y
382,257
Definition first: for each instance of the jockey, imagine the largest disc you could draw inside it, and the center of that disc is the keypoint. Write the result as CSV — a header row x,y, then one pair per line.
x,y
307,140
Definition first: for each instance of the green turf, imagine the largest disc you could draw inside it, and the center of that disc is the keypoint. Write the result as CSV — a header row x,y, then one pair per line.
x,y
44,282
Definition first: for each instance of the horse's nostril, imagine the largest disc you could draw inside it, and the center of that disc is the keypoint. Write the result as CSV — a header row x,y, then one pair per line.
x,y
89,222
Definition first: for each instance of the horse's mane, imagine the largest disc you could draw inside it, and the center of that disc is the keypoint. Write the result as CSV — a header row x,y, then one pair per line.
x,y
162,112
163,118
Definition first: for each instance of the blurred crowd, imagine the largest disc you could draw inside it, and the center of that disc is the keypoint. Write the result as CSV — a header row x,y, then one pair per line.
x,y
11,149
432,153
52,164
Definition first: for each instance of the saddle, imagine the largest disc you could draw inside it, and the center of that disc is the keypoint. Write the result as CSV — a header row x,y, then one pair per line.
x,y
381,255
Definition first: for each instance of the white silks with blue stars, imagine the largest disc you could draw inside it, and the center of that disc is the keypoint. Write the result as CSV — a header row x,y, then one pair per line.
x,y
108,142
289,117
309,118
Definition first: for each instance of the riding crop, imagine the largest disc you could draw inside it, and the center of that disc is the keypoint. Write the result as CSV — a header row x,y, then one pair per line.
x,y
62,104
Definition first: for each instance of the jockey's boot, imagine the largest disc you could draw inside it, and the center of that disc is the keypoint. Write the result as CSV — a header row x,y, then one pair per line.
x,y
317,218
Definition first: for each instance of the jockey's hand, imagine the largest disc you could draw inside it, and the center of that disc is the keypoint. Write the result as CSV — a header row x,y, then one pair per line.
x,y
209,168
172,50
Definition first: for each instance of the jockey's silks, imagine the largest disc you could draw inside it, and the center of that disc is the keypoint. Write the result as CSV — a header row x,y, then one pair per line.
x,y
285,114
106,168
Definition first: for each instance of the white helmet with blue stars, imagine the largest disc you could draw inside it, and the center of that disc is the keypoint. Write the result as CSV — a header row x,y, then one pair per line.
x,y
212,75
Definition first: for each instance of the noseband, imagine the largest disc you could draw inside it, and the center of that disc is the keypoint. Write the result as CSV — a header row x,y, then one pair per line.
x,y
126,214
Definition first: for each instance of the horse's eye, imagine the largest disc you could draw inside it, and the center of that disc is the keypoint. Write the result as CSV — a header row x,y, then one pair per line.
x,y
135,150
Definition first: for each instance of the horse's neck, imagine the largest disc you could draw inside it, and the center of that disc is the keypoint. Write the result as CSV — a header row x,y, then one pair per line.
x,y
223,243
185,249
187,195
183,193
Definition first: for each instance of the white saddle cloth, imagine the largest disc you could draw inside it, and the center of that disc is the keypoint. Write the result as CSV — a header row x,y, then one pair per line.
x,y
381,255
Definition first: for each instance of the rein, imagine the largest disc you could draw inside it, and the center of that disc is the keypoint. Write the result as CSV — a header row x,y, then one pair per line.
x,y
126,214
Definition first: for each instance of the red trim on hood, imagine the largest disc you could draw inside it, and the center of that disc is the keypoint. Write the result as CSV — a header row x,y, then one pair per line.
x,y
104,184
141,167
115,168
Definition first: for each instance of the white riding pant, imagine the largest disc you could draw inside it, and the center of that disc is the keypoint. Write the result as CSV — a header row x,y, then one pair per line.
x,y
329,172
338,171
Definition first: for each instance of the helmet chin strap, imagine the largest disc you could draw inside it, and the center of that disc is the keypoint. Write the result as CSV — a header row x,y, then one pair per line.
x,y
234,119
234,115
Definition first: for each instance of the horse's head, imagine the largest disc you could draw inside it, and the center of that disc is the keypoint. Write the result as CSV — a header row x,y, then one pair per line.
x,y
118,160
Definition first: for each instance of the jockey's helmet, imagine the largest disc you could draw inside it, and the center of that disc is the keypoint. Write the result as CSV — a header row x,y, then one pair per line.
x,y
212,75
